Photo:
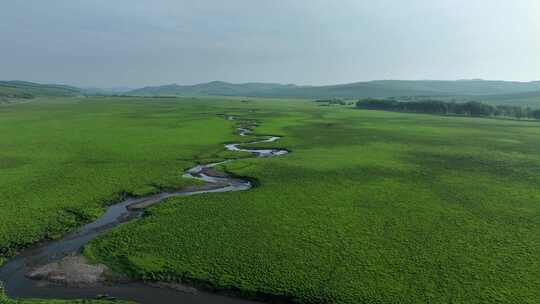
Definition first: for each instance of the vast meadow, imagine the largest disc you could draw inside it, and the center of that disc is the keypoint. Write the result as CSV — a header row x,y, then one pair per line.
x,y
63,160
370,207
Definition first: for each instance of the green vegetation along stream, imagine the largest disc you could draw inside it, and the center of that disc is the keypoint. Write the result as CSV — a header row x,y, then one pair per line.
x,y
19,280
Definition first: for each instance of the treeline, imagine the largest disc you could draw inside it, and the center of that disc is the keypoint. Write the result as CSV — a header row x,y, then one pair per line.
x,y
7,97
334,101
17,95
471,108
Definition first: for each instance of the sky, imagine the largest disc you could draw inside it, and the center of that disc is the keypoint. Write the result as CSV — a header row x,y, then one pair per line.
x,y
112,43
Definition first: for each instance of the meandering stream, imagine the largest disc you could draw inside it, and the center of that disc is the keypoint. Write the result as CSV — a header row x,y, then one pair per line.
x,y
13,274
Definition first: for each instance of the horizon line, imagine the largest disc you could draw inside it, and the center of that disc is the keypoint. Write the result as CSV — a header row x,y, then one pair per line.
x,y
263,82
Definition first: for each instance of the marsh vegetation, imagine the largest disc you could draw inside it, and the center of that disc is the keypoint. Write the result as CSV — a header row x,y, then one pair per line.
x,y
372,206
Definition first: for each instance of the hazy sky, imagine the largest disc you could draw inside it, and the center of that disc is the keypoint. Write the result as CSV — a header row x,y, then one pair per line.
x,y
149,42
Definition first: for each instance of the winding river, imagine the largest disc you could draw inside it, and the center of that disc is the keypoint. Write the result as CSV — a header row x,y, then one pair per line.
x,y
14,274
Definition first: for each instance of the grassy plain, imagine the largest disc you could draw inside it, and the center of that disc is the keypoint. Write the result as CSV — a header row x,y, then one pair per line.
x,y
63,160
371,207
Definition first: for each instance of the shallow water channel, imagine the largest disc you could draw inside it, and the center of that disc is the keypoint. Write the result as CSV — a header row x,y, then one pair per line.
x,y
16,283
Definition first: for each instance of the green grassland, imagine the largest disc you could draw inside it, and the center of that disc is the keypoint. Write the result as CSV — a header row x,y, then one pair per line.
x,y
63,160
370,207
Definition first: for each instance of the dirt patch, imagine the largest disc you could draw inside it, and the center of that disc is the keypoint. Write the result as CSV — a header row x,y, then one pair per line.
x,y
73,271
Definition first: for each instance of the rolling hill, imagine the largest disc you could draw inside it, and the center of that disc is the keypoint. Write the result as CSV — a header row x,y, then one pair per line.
x,y
214,88
27,90
530,99
378,89
494,92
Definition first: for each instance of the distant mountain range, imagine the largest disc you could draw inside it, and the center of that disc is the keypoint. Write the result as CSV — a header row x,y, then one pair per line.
x,y
376,89
488,90
214,88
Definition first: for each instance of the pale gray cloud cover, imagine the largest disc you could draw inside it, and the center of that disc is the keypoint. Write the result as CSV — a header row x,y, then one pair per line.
x,y
148,42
